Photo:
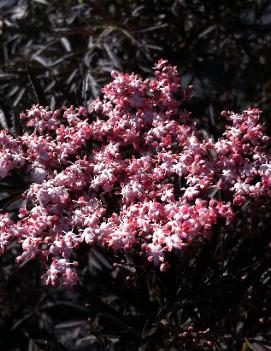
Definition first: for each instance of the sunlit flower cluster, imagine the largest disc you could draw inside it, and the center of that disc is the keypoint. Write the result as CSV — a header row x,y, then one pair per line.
x,y
132,171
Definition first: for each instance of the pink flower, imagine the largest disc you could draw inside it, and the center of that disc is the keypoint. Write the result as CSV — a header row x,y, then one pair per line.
x,y
137,173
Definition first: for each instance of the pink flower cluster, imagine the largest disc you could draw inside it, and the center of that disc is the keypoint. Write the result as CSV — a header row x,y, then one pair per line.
x,y
134,172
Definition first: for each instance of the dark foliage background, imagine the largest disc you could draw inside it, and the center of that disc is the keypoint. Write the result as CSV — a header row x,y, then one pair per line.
x,y
62,52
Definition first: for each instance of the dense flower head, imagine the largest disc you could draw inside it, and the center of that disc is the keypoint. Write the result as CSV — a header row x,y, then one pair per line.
x,y
135,172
